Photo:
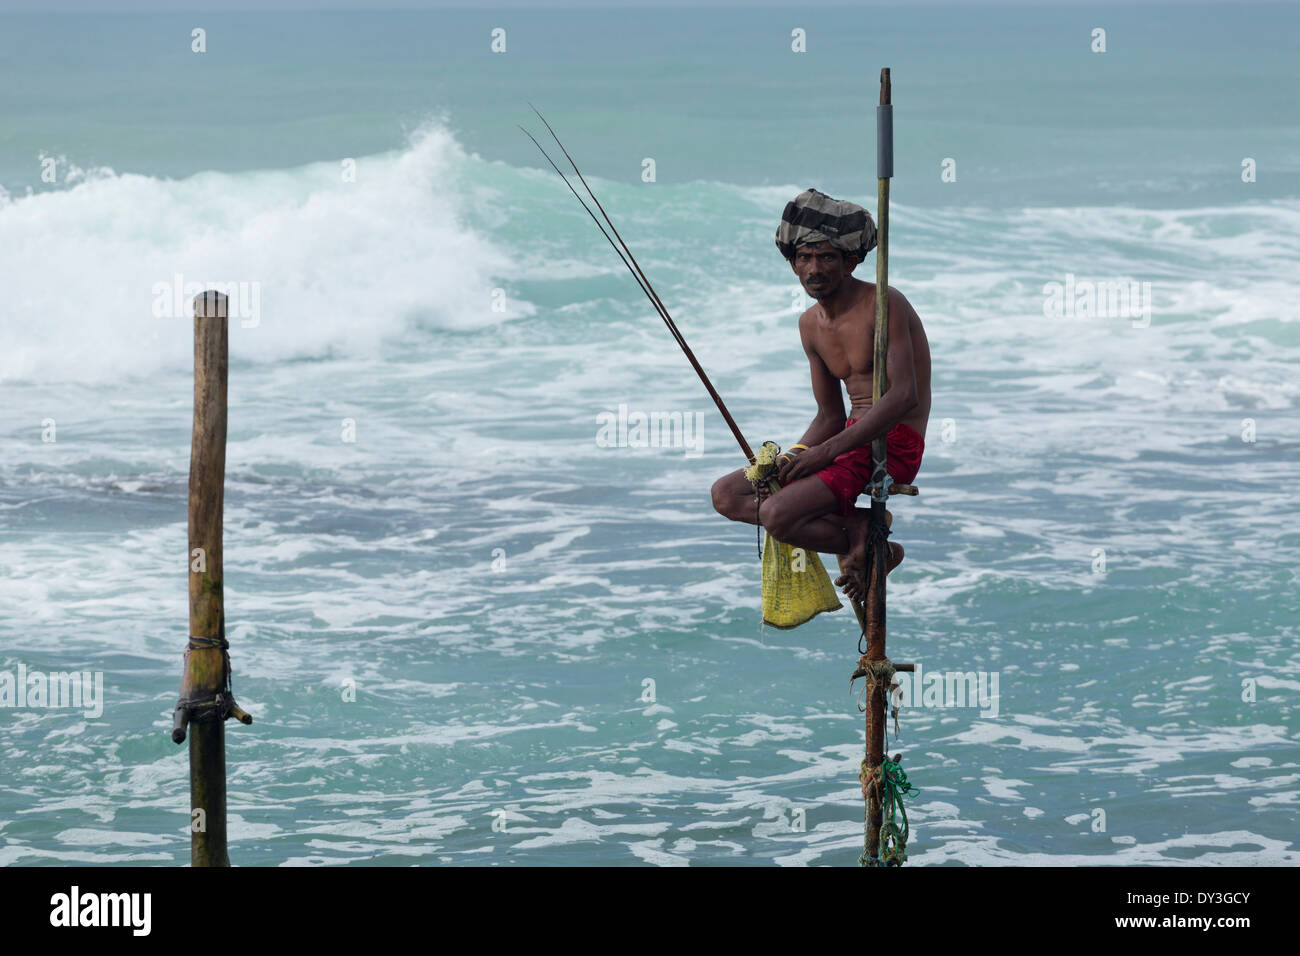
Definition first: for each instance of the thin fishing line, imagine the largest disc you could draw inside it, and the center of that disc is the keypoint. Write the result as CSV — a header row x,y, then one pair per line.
x,y
642,282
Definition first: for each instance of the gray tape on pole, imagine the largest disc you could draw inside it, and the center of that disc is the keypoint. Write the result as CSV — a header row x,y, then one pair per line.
x,y
885,141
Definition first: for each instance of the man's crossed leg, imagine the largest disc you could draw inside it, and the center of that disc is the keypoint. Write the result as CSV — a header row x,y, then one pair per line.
x,y
805,514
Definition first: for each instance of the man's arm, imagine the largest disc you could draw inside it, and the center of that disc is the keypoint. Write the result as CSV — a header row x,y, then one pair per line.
x,y
830,417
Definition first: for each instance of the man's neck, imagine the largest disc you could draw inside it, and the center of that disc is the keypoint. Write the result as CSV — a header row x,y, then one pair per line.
x,y
842,300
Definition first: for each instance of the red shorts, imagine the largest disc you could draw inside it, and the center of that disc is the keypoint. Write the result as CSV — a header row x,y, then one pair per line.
x,y
850,473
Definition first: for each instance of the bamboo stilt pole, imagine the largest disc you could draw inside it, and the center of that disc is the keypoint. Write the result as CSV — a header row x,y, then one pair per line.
x,y
205,699
877,690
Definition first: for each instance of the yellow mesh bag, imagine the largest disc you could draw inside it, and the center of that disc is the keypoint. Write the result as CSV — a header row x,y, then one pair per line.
x,y
796,587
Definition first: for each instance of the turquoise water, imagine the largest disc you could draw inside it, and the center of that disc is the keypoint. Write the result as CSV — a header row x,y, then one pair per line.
x,y
1094,528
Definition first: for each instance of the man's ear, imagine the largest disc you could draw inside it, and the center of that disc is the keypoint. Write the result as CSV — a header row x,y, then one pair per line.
x,y
852,262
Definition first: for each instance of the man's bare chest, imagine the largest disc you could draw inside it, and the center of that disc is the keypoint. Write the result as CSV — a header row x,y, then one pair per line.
x,y
848,346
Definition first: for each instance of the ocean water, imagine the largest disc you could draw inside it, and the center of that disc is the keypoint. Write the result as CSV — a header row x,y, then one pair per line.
x,y
555,645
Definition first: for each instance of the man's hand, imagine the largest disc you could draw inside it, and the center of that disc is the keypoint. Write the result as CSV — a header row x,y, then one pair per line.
x,y
805,463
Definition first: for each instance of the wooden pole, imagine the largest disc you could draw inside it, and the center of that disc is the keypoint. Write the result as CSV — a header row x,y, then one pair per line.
x,y
206,700
877,689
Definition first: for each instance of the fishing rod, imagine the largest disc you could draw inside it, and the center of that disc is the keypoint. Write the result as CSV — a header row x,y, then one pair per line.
x,y
642,281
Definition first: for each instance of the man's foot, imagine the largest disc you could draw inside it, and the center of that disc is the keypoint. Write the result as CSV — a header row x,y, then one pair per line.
x,y
854,562
852,581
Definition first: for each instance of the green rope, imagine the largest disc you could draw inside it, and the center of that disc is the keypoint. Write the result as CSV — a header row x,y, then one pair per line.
x,y
890,778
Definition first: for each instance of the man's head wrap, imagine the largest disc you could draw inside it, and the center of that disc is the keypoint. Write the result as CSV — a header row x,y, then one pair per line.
x,y
816,217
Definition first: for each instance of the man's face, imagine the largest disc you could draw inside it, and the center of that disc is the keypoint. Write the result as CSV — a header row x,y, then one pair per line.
x,y
821,268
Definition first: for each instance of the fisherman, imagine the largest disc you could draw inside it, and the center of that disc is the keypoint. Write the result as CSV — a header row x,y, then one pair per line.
x,y
824,240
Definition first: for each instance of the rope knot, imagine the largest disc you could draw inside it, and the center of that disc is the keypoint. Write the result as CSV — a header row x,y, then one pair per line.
x,y
887,783
877,673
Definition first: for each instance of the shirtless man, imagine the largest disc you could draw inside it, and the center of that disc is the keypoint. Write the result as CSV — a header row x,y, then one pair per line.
x,y
824,241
